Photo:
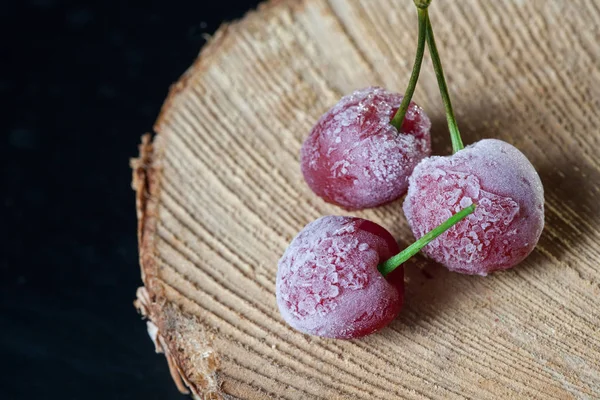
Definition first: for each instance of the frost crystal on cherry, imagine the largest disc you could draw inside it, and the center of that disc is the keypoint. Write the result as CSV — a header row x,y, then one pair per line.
x,y
509,218
355,158
328,283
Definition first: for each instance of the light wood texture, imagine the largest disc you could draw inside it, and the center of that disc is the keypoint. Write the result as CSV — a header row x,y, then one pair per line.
x,y
220,195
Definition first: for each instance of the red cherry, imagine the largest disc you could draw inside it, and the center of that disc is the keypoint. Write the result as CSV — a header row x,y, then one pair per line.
x,y
328,283
356,159
331,280
509,218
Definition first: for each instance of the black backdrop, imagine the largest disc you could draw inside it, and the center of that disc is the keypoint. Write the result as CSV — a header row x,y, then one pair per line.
x,y
80,82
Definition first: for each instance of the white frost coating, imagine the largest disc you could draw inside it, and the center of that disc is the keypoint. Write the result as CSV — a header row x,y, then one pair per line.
x,y
354,156
328,276
323,281
509,218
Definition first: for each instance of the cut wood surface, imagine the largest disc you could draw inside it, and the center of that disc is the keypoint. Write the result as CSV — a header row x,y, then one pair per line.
x,y
220,195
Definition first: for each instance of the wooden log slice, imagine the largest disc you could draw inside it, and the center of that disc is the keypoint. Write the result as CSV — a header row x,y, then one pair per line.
x,y
220,195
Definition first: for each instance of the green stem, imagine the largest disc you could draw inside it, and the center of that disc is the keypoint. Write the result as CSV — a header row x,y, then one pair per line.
x,y
457,143
394,262
398,118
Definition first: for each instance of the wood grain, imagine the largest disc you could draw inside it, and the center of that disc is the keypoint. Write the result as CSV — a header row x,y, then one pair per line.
x,y
220,195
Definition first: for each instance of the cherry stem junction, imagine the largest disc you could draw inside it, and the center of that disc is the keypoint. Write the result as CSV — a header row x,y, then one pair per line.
x,y
457,143
398,118
395,261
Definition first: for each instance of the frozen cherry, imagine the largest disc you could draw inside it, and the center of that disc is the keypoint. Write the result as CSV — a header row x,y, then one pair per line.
x,y
335,278
362,151
508,221
328,283
356,159
494,174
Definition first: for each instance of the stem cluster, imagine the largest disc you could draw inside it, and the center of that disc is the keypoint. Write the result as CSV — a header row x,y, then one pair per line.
x,y
426,35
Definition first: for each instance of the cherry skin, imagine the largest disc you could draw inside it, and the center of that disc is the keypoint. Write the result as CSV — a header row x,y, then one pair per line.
x,y
509,217
328,283
356,159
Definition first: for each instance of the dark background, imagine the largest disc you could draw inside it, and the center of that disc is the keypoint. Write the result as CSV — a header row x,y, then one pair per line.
x,y
80,83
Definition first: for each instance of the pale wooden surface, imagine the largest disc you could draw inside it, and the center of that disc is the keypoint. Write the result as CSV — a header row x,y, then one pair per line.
x,y
220,195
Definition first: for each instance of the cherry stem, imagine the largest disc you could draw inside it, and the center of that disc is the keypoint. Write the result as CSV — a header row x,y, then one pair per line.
x,y
457,143
398,118
395,261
